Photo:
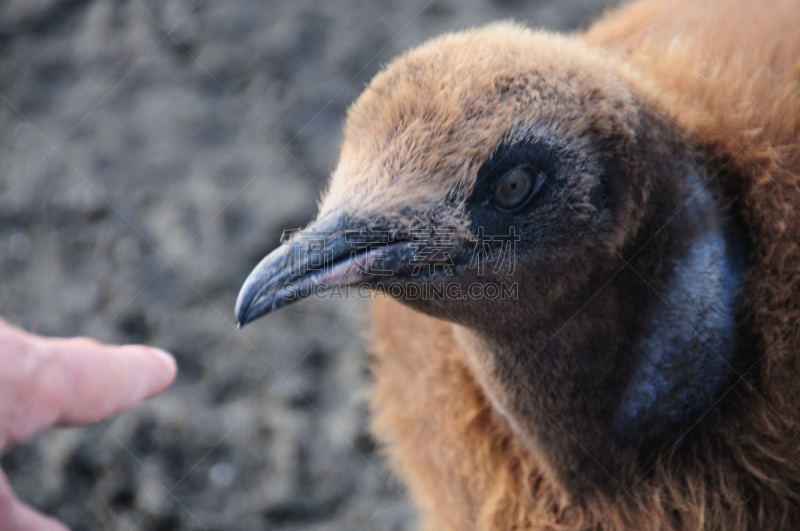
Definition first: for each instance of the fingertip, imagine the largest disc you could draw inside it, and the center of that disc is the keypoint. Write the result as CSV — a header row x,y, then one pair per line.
x,y
168,360
162,372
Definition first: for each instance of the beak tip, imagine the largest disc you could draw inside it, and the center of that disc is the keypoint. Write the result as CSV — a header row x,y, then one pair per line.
x,y
252,304
242,311
245,315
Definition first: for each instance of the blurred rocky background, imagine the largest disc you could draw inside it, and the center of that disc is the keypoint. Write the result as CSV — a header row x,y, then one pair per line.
x,y
150,153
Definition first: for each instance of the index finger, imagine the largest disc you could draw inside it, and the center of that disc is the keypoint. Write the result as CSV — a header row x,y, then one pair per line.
x,y
80,381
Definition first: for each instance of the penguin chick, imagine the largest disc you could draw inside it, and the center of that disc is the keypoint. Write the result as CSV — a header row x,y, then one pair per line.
x,y
570,244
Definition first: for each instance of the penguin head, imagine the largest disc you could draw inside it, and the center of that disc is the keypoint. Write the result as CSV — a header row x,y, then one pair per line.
x,y
482,167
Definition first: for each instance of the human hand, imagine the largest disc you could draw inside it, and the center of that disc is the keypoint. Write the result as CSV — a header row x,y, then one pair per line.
x,y
66,382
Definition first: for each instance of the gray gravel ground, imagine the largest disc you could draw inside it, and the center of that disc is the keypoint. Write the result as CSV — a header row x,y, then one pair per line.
x,y
150,153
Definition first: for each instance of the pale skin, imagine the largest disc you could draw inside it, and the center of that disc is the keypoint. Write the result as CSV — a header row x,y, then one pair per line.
x,y
48,382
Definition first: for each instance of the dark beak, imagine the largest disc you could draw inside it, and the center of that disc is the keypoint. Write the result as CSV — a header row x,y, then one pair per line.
x,y
334,251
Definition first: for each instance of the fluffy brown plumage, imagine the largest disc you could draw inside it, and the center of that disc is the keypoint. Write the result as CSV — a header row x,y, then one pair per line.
x,y
665,123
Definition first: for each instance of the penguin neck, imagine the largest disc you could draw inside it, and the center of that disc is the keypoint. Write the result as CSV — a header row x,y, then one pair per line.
x,y
689,345
639,355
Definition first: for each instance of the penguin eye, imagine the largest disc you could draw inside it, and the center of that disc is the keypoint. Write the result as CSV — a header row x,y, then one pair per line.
x,y
516,186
